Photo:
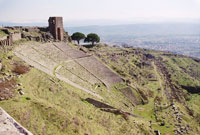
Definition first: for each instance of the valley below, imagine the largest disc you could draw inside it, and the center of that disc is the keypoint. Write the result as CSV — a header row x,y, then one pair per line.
x,y
179,38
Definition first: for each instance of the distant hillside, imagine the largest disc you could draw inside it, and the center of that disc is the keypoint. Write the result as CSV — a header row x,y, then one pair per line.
x,y
180,38
141,29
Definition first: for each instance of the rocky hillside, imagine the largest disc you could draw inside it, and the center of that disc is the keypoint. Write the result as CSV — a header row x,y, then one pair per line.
x,y
155,92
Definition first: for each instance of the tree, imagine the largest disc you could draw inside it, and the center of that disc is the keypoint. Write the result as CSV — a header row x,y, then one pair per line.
x,y
92,37
78,36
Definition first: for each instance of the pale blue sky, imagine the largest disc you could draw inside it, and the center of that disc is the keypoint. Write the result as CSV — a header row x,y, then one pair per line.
x,y
77,12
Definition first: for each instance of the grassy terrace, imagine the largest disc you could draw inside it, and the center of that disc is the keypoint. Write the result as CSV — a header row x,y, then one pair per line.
x,y
145,75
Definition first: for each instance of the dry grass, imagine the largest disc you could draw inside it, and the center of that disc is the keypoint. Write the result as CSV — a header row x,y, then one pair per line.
x,y
19,68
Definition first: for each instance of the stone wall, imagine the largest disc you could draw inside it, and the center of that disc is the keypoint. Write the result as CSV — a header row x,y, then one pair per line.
x,y
56,28
54,32
16,36
8,126
7,41
30,29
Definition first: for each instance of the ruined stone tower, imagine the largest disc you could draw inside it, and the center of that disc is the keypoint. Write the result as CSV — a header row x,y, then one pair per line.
x,y
56,27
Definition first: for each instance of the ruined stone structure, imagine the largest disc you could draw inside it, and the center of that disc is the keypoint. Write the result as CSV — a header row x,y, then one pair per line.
x,y
54,32
56,28
16,36
10,38
7,41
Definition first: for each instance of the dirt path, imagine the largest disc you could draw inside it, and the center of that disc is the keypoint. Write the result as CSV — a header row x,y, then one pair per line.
x,y
159,80
52,72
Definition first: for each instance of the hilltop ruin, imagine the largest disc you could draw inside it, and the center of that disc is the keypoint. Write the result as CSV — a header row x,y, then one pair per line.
x,y
54,32
56,27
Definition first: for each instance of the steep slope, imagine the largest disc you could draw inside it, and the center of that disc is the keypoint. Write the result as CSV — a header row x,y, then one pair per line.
x,y
154,97
46,105
168,84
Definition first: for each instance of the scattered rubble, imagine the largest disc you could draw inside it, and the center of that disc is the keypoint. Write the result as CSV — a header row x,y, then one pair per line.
x,y
157,132
20,91
171,90
0,66
7,88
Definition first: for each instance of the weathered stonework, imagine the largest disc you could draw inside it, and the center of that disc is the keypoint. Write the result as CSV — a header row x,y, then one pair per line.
x,y
7,41
54,32
10,38
56,28
16,36
8,126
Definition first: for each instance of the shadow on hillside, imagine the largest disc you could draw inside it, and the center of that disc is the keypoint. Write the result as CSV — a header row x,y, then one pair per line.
x,y
88,46
192,90
107,108
98,104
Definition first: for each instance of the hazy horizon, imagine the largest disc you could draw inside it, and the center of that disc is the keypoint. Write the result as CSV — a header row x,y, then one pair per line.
x,y
100,23
180,38
94,12
149,24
